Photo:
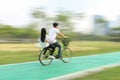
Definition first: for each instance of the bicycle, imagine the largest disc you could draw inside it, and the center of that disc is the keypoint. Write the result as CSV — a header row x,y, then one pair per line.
x,y
66,53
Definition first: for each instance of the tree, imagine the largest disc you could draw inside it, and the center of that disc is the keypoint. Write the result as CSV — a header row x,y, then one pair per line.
x,y
40,17
115,32
38,13
101,20
63,17
116,28
9,32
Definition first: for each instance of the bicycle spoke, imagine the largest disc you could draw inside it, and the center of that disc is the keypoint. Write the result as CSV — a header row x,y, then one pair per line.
x,y
66,55
44,57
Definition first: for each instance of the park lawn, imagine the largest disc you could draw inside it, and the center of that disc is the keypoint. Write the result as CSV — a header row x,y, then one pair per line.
x,y
17,57
108,74
24,52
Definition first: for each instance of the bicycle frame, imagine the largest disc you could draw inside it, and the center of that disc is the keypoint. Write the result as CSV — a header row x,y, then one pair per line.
x,y
67,53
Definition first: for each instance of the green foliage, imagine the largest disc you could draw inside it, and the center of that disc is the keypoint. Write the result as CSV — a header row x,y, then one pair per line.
x,y
9,32
62,17
102,20
38,13
115,32
6,29
117,28
108,74
90,37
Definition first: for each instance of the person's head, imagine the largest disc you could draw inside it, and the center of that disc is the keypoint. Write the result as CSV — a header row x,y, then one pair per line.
x,y
43,34
55,25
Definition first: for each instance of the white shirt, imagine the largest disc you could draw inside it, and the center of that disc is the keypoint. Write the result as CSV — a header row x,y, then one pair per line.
x,y
52,35
44,44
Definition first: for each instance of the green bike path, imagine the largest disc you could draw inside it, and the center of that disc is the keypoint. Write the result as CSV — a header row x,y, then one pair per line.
x,y
35,71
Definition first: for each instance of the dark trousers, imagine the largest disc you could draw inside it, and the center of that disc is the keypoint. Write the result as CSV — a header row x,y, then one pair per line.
x,y
53,46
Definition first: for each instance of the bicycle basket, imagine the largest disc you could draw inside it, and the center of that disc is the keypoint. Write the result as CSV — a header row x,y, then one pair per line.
x,y
65,42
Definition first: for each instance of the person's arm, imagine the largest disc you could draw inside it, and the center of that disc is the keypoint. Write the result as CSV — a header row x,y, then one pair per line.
x,y
62,35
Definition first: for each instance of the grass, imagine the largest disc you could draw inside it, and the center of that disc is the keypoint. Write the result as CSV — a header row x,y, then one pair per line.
x,y
16,57
94,47
23,52
109,74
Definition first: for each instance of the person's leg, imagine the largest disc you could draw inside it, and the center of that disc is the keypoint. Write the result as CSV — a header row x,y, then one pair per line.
x,y
59,48
53,48
45,50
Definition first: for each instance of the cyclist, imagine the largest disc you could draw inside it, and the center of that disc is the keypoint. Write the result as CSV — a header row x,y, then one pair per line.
x,y
44,42
43,38
52,38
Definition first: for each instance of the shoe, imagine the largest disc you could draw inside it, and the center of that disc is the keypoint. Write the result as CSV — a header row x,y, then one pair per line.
x,y
51,57
57,57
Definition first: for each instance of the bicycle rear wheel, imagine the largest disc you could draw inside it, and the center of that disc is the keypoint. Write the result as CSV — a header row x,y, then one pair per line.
x,y
44,57
66,55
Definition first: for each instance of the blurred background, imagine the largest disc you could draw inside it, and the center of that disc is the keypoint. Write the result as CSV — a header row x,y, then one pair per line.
x,y
92,25
21,21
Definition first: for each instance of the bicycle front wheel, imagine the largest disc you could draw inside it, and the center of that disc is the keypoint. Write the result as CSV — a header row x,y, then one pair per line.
x,y
66,55
44,57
